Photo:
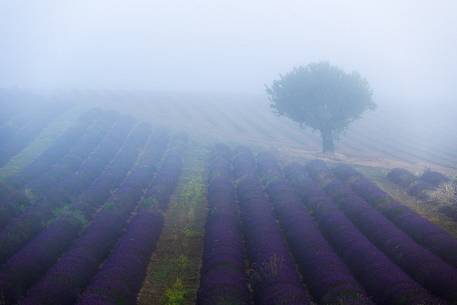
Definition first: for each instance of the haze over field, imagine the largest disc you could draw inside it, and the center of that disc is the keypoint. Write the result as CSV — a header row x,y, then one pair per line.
x,y
228,152
225,52
406,48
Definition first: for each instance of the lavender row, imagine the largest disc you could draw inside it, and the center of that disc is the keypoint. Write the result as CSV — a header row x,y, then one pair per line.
x,y
70,163
98,160
43,251
97,193
123,272
243,163
220,160
274,277
385,282
417,186
402,177
57,149
222,276
268,168
327,277
426,268
26,225
419,228
67,278
158,194
26,134
11,203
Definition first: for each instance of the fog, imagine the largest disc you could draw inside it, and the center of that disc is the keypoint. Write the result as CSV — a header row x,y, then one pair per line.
x,y
406,49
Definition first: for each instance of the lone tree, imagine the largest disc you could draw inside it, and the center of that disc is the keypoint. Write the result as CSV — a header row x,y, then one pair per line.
x,y
322,97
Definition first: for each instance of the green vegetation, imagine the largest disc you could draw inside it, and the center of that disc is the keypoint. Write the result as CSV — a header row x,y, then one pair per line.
x,y
176,294
173,273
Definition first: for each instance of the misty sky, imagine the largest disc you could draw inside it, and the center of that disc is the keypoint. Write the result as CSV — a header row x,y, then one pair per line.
x,y
406,48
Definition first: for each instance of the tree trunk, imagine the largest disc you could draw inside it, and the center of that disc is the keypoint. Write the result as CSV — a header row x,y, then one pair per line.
x,y
328,146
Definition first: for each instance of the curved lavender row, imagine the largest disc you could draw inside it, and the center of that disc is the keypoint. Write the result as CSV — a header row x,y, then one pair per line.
x,y
400,176
433,178
57,149
327,277
420,190
299,179
268,168
97,161
26,225
220,160
222,279
11,203
383,280
27,265
64,281
43,251
158,194
26,134
415,186
123,273
98,192
274,277
419,228
426,268
319,171
9,210
243,162
71,162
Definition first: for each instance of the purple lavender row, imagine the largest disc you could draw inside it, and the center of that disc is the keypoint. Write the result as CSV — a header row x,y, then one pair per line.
x,y
381,278
57,149
26,134
243,163
424,232
11,203
268,168
69,276
405,178
98,160
434,178
220,162
427,269
327,277
122,274
71,162
158,194
26,266
26,225
400,176
417,186
222,276
274,277
97,193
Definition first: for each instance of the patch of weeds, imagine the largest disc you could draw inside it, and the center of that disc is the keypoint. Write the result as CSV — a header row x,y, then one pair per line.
x,y
194,190
163,271
109,205
190,232
182,262
175,295
150,202
69,212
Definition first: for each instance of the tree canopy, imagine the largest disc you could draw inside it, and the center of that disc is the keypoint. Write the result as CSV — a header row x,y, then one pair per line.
x,y
323,97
